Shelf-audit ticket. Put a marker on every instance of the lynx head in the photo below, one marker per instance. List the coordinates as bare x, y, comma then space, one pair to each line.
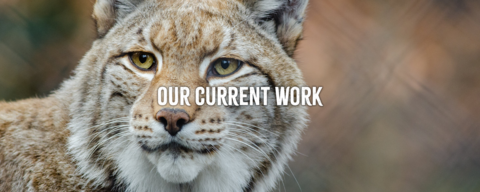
122, 138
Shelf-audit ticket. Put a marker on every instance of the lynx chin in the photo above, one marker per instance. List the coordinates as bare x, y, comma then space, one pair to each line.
104, 130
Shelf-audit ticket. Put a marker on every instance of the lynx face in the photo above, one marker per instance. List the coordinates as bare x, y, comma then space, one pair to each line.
122, 137
180, 141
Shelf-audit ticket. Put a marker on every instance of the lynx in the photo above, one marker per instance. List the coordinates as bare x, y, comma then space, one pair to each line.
103, 129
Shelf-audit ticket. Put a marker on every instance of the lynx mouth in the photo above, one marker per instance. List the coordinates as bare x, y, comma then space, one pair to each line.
178, 148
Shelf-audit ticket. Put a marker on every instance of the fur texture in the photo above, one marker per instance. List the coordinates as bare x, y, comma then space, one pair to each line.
98, 132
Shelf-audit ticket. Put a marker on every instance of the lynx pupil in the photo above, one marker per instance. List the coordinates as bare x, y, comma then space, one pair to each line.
143, 58
225, 64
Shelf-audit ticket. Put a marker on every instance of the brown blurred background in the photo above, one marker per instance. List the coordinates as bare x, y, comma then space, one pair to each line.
401, 85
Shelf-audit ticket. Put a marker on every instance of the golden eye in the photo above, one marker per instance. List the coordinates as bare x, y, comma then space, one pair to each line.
226, 66
142, 60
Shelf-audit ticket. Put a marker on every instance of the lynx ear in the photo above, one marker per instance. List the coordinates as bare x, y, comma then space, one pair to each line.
107, 12
284, 18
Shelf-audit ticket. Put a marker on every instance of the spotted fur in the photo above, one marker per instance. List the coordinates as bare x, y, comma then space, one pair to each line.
99, 132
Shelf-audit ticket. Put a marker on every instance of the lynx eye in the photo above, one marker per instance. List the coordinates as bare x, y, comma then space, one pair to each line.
226, 66
143, 60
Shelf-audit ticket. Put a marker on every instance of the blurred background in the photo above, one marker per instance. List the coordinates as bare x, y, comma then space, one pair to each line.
401, 87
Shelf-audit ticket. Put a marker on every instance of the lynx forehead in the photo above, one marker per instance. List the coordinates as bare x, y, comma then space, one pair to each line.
117, 137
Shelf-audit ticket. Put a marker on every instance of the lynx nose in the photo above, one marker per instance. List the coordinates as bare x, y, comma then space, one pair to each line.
173, 119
